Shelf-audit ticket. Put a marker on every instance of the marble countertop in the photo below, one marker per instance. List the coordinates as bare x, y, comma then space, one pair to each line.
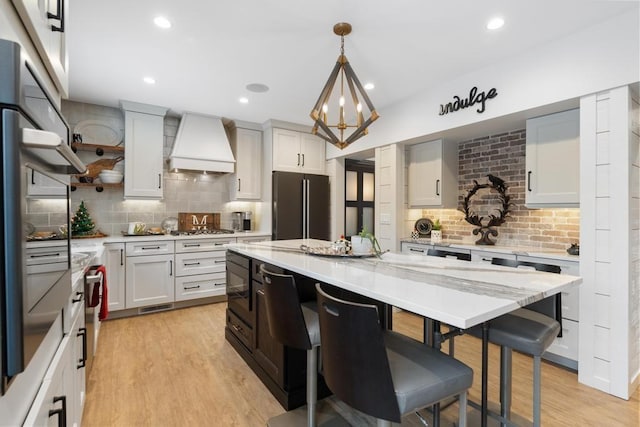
503, 249
455, 292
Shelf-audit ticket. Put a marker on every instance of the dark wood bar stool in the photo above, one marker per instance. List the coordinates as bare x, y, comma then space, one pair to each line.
528, 331
294, 324
382, 373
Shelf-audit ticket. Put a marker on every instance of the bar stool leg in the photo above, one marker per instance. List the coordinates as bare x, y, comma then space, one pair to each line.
505, 382
462, 410
537, 375
312, 392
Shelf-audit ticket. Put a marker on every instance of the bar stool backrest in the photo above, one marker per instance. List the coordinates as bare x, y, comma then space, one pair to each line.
354, 357
284, 314
550, 306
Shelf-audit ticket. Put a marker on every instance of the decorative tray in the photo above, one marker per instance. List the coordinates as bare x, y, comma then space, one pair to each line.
328, 251
90, 236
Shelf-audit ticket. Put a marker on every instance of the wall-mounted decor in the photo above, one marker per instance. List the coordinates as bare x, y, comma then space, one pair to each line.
473, 218
473, 99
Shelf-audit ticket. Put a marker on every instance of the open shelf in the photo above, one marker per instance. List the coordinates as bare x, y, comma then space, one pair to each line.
98, 185
98, 149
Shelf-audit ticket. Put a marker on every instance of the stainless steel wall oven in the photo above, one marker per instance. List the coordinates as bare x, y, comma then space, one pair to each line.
36, 276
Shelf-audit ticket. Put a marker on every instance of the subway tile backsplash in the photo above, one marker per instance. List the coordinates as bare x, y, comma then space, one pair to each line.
183, 192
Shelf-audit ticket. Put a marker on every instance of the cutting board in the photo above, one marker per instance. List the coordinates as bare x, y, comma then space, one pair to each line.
198, 221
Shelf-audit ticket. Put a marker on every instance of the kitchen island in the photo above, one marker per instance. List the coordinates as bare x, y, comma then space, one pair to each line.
454, 292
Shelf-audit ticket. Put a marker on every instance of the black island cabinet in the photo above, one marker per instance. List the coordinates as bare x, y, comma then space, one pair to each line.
281, 368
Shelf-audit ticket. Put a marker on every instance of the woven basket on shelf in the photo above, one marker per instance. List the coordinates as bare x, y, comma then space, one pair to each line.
94, 169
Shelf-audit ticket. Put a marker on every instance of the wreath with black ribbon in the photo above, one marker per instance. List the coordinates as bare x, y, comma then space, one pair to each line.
473, 218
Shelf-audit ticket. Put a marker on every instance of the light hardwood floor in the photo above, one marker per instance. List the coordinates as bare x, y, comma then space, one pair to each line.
175, 369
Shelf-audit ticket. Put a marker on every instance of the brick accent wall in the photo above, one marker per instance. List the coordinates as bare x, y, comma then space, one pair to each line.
503, 155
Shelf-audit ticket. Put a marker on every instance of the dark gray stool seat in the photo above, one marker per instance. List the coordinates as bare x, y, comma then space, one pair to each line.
524, 330
382, 373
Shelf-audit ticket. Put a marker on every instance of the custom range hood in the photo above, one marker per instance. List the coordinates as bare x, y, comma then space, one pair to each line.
201, 145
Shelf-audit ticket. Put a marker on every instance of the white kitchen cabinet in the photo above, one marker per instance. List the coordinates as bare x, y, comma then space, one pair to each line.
45, 20
246, 182
433, 175
298, 152
39, 185
149, 280
114, 254
143, 148
553, 160
77, 370
54, 399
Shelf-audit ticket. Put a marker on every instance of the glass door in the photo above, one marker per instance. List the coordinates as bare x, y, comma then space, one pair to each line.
359, 196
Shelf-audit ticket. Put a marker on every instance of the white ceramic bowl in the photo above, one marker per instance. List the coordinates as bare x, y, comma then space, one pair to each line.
110, 172
110, 178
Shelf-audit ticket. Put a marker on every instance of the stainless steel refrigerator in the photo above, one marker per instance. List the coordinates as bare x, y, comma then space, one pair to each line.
300, 206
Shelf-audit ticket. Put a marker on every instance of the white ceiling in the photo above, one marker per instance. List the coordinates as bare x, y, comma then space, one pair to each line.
215, 48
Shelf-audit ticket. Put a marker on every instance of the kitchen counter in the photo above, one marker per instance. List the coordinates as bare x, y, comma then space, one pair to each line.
153, 237
515, 250
454, 292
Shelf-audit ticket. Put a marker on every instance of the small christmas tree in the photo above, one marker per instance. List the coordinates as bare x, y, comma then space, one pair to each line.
81, 223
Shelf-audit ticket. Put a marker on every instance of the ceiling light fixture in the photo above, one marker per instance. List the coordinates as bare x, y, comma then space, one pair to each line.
149, 80
162, 22
495, 23
369, 86
323, 115
243, 100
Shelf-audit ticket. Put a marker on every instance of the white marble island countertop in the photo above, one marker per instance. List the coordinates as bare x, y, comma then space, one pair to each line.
454, 292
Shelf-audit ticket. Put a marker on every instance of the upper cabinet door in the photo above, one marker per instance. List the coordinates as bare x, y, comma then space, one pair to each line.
143, 147
39, 185
553, 160
433, 174
246, 183
298, 152
45, 20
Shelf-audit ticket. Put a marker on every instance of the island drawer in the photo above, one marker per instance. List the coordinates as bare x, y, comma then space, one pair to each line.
240, 329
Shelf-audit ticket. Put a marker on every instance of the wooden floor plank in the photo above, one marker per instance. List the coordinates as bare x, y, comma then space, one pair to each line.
175, 368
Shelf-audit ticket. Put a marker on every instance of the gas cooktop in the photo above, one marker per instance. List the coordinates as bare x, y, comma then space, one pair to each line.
192, 232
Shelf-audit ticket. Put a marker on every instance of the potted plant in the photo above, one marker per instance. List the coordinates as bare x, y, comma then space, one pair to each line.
365, 243
436, 232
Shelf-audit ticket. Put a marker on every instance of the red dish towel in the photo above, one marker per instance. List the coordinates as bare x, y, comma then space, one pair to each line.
104, 303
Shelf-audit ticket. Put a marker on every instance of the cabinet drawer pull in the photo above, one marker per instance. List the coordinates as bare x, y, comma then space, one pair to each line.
61, 412
260, 291
529, 181
220, 261
220, 244
437, 187
159, 180
121, 256
45, 255
416, 250
298, 159
191, 287
303, 160
59, 16
191, 245
487, 259
239, 186
82, 332
219, 284
170, 268
191, 263
78, 297
146, 248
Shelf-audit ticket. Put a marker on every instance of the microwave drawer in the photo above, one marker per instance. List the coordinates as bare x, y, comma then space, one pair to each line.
200, 263
149, 248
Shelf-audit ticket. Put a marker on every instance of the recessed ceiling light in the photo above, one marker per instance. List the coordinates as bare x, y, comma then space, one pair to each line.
243, 100
162, 22
369, 86
495, 23
257, 87
149, 80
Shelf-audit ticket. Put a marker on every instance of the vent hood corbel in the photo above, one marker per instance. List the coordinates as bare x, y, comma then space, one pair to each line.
202, 145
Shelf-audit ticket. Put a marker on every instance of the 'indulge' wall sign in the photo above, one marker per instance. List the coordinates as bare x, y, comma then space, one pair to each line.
474, 98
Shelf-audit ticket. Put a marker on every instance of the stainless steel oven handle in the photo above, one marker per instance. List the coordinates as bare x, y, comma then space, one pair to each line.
34, 139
